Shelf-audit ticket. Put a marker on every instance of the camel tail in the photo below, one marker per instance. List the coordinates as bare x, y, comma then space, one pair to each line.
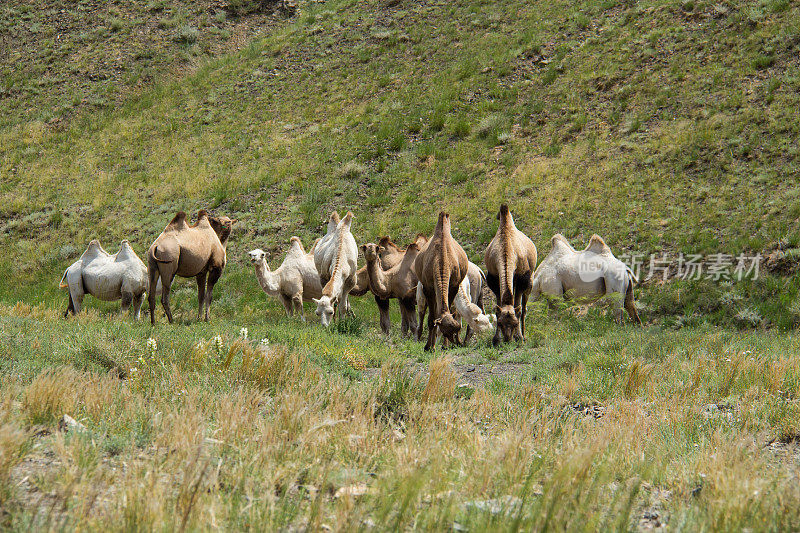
63, 284
632, 275
155, 256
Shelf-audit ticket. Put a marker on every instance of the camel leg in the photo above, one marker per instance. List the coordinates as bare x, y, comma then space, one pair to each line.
287, 304
423, 307
125, 306
524, 313
213, 276
201, 292
383, 309
468, 336
153, 274
165, 289
137, 306
297, 301
407, 307
433, 329
70, 305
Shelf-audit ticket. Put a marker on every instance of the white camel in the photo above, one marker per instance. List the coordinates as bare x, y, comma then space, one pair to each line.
587, 274
335, 257
468, 303
107, 277
294, 282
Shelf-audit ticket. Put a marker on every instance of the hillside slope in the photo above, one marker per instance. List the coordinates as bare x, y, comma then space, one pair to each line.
659, 124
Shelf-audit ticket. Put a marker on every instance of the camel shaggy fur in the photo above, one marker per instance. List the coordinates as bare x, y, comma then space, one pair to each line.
106, 277
335, 258
399, 281
190, 251
294, 282
510, 262
588, 274
441, 267
468, 304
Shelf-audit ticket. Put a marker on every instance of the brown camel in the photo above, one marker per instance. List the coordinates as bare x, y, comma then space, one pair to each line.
441, 267
398, 281
510, 262
196, 251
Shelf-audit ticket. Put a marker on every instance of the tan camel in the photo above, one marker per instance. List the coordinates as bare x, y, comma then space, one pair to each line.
196, 251
589, 274
390, 256
399, 281
510, 261
441, 267
294, 282
335, 257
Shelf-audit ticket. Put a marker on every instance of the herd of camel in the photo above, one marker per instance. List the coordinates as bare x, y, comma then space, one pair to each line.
432, 273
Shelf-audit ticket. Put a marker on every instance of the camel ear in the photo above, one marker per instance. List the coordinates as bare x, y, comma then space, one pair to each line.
437, 322
316, 302
497, 309
363, 247
381, 249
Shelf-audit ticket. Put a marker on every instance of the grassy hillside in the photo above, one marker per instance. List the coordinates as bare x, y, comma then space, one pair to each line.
665, 126
660, 125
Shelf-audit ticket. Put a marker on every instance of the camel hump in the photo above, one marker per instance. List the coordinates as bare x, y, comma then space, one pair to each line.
386, 242
93, 249
295, 242
346, 221
178, 220
314, 246
559, 240
503, 211
597, 245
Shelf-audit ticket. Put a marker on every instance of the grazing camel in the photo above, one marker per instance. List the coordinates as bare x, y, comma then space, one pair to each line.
591, 273
335, 258
468, 304
196, 251
440, 267
294, 282
399, 282
510, 261
106, 277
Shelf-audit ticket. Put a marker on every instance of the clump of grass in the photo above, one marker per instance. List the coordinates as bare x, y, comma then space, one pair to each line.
13, 440
441, 383
50, 395
349, 325
187, 34
352, 170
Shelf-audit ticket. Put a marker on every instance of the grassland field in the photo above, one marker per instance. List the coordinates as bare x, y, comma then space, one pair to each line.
666, 127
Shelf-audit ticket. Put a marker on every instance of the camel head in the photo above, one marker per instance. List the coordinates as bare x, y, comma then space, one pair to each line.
371, 251
449, 327
257, 256
222, 226
324, 310
482, 323
507, 320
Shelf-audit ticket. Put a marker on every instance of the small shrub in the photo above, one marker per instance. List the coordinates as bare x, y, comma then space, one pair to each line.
762, 61
352, 170
187, 34
459, 128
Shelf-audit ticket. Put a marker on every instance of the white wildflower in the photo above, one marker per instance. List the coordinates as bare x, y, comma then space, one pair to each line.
152, 347
264, 342
217, 341
243, 333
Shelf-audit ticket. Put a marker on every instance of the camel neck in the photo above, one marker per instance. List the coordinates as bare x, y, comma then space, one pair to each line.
266, 278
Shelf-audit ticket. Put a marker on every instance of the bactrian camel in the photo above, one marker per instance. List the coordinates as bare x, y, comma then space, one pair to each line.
510, 261
441, 267
106, 277
190, 251
294, 282
399, 282
588, 274
335, 258
468, 303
